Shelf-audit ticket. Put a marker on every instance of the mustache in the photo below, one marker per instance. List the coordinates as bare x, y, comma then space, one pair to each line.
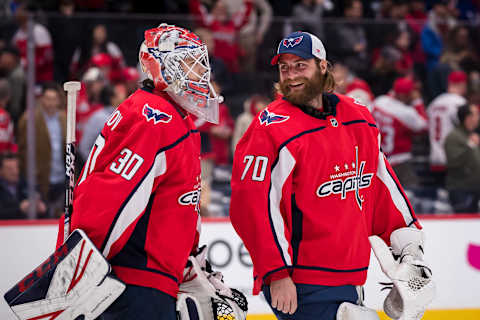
290, 81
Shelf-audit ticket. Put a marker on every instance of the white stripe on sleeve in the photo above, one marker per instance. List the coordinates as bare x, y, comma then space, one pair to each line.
137, 203
280, 173
398, 199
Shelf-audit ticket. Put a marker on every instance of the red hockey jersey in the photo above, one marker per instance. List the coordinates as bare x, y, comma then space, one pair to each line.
308, 191
138, 194
7, 139
398, 123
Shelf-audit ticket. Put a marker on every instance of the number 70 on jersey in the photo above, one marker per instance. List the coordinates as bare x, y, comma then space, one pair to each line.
259, 167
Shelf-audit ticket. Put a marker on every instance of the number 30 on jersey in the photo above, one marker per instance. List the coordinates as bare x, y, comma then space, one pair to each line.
126, 164
259, 168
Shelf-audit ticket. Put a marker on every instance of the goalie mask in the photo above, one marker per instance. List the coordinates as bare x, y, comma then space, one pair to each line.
176, 60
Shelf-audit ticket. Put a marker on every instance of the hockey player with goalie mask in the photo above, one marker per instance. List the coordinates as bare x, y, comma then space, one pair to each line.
322, 186
137, 204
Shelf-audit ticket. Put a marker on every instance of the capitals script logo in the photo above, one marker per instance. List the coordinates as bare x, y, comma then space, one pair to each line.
292, 42
267, 118
157, 115
356, 180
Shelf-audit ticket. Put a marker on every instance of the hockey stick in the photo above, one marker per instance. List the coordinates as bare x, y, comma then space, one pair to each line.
72, 88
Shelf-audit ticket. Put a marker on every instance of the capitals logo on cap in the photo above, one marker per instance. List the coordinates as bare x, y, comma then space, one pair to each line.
292, 42
268, 118
157, 115
302, 44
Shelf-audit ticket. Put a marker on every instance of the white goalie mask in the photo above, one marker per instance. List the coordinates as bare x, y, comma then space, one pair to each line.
176, 60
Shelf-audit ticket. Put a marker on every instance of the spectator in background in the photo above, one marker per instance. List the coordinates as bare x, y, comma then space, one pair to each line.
343, 77
307, 15
11, 69
43, 45
359, 90
89, 98
416, 19
416, 16
462, 147
95, 123
351, 40
7, 139
130, 79
252, 106
392, 61
467, 10
252, 33
98, 43
435, 31
66, 37
442, 118
220, 134
14, 192
219, 69
399, 116
348, 84
459, 53
224, 28
50, 127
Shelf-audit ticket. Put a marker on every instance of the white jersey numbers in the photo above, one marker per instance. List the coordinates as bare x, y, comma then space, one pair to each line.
127, 164
92, 157
114, 120
259, 168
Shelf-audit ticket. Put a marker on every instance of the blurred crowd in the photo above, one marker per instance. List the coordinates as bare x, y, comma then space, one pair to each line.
414, 64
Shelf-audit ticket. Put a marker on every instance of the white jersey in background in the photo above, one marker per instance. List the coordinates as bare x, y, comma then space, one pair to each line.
442, 118
398, 123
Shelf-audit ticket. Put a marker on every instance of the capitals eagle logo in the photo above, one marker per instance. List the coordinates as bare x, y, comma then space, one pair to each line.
268, 118
157, 115
292, 42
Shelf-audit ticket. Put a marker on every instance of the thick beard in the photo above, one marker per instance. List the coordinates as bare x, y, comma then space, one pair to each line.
313, 87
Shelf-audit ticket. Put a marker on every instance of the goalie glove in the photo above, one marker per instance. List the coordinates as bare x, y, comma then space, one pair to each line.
203, 295
413, 287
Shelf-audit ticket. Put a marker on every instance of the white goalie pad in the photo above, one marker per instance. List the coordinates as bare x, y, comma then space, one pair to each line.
204, 296
413, 287
350, 311
72, 282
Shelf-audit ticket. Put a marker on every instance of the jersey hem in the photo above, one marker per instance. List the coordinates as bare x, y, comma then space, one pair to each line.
149, 279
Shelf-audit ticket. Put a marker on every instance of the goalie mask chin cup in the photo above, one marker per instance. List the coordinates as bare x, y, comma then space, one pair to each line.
176, 60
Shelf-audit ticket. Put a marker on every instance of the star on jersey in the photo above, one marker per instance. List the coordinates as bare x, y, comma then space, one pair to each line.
157, 115
337, 168
267, 118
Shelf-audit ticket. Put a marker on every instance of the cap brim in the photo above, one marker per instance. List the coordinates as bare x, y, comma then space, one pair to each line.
302, 55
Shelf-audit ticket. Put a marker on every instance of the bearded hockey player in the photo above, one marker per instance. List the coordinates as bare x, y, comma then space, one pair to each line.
310, 185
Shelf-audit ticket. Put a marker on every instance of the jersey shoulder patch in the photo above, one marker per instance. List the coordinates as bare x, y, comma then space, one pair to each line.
157, 116
267, 117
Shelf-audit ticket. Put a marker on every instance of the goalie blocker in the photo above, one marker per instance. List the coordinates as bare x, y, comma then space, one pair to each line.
74, 281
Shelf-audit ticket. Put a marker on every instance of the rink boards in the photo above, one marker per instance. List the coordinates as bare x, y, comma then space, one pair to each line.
452, 249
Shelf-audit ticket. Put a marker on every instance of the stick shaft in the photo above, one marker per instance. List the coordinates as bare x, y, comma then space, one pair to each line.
71, 87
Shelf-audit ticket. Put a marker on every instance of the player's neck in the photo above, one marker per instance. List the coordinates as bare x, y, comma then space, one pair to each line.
317, 102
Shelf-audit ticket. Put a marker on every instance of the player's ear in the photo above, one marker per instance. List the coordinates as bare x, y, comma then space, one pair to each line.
323, 65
